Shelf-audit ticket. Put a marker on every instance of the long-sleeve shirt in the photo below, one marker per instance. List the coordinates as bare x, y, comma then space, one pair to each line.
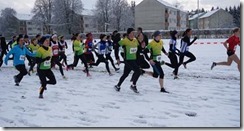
42, 54
78, 47
19, 55
185, 43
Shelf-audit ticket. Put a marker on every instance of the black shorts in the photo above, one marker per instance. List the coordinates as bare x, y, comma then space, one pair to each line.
230, 53
158, 71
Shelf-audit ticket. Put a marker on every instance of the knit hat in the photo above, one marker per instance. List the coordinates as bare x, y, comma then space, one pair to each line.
43, 39
156, 33
129, 30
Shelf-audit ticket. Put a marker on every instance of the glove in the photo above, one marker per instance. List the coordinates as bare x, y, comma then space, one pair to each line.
195, 38
48, 58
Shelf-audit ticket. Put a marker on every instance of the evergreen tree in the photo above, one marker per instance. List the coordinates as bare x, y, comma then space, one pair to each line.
212, 9
226, 9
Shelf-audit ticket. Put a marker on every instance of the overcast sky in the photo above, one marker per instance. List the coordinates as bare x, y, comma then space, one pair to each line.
25, 6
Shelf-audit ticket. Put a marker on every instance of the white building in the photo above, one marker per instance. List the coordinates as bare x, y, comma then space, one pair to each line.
26, 26
159, 15
89, 22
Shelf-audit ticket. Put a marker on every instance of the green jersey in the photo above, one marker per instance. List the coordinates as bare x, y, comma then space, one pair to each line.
130, 47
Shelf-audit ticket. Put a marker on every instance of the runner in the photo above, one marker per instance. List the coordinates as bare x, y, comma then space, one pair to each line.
184, 49
109, 50
102, 47
3, 49
19, 52
43, 59
55, 57
130, 45
62, 46
78, 48
116, 38
173, 53
89, 47
33, 48
155, 47
231, 45
145, 38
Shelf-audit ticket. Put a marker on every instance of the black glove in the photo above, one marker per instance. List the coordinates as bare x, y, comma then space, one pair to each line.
195, 38
48, 58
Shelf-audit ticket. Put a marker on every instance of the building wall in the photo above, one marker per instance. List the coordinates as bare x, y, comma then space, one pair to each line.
150, 15
153, 15
32, 29
221, 19
183, 20
172, 19
89, 24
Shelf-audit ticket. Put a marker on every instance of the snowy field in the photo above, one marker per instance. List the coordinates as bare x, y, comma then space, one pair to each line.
213, 96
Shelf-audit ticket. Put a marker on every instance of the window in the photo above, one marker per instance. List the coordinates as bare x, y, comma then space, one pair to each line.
166, 20
166, 10
21, 29
29, 28
39, 29
86, 25
29, 23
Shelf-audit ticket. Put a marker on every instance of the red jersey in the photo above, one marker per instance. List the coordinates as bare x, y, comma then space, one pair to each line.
55, 48
233, 42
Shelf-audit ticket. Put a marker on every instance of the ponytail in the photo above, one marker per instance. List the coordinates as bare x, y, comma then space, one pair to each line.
187, 30
236, 30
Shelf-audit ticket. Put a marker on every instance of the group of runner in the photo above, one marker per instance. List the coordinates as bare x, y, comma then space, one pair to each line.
48, 51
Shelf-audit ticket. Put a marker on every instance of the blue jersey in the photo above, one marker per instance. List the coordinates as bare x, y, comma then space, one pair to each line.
102, 46
19, 55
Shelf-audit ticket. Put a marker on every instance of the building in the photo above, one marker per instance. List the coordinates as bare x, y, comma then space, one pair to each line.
89, 22
159, 15
26, 26
218, 18
193, 20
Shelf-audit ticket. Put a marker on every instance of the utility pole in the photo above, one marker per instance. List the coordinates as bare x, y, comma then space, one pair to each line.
198, 18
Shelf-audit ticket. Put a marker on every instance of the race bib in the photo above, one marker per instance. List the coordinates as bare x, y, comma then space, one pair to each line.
133, 50
47, 63
103, 51
22, 57
235, 48
159, 58
55, 52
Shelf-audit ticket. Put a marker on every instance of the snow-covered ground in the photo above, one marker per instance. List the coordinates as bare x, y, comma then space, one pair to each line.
213, 96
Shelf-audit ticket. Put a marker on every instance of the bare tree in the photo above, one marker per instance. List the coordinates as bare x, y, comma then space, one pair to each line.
67, 15
117, 13
9, 23
43, 13
103, 14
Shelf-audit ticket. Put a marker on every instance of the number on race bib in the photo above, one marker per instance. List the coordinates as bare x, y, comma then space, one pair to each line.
47, 63
133, 50
55, 52
22, 58
159, 58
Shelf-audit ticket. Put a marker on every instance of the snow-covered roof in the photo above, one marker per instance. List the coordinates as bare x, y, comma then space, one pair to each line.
209, 13
196, 15
169, 5
87, 12
24, 16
